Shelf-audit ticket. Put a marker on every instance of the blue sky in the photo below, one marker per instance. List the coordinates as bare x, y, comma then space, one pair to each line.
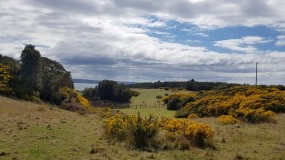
145, 40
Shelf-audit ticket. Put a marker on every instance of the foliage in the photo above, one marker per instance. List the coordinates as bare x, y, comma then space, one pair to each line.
253, 104
191, 85
34, 77
255, 115
227, 119
172, 104
54, 77
90, 93
143, 131
69, 95
30, 72
5, 79
137, 130
197, 133
111, 90
178, 100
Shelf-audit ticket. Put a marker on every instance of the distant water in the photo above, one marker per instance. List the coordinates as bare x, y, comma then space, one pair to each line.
82, 86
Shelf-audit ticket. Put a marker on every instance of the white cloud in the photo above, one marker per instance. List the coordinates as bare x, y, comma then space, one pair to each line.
201, 34
194, 31
109, 39
244, 44
162, 33
280, 40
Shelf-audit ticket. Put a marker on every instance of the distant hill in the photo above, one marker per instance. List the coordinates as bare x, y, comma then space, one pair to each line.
97, 81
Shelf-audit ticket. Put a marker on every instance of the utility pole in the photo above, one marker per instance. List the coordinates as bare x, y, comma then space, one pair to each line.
256, 74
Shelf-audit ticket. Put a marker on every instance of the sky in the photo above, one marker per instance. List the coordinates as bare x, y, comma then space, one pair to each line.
147, 40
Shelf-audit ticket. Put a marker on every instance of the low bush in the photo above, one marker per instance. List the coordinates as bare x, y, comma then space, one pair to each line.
255, 115
135, 93
178, 100
143, 131
134, 129
70, 96
226, 119
172, 104
196, 133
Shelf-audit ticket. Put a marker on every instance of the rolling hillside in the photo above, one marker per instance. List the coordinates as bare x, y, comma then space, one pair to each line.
31, 131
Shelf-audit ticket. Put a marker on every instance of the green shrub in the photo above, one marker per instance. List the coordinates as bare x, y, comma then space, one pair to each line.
135, 93
172, 103
143, 131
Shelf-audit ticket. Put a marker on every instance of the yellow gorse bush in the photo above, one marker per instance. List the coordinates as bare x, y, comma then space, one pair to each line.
72, 96
196, 133
118, 125
255, 115
137, 130
140, 131
253, 104
227, 119
5, 78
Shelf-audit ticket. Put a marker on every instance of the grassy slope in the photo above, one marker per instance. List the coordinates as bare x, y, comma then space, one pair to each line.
30, 131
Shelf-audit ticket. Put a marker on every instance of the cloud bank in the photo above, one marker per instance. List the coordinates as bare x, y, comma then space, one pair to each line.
112, 39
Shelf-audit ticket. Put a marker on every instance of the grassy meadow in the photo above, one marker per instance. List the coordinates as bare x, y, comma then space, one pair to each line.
147, 103
30, 131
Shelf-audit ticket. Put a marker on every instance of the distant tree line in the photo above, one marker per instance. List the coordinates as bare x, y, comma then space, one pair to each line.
191, 85
33, 77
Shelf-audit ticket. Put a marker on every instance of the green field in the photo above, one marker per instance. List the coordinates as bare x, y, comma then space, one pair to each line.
31, 131
147, 103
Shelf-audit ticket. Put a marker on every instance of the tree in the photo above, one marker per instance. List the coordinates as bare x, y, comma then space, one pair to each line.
90, 93
121, 93
106, 89
54, 77
111, 90
30, 72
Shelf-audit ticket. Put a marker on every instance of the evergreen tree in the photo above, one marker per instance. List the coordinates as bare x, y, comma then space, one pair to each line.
30, 72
